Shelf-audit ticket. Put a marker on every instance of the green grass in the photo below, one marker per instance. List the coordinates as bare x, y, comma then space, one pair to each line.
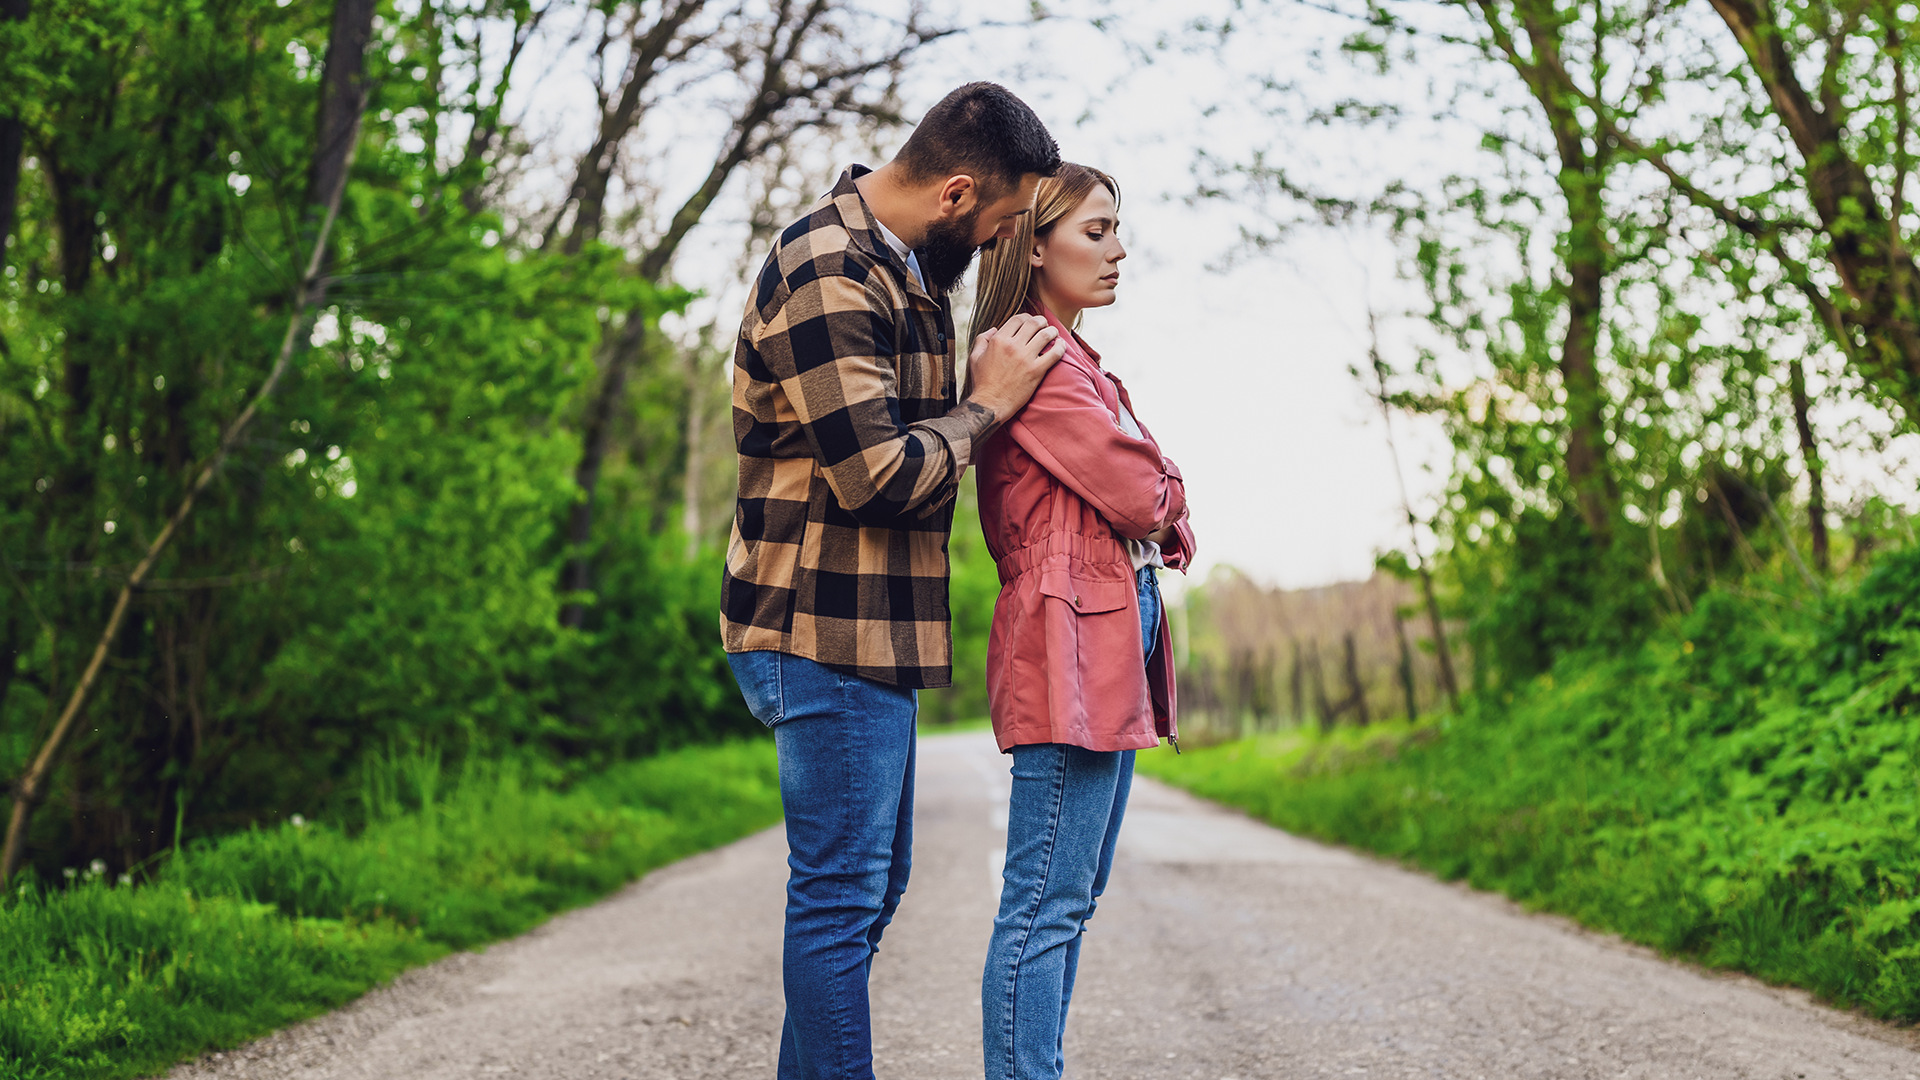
1742, 791
1741, 787
979, 723
264, 928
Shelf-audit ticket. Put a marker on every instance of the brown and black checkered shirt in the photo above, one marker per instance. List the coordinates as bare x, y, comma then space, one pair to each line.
844, 381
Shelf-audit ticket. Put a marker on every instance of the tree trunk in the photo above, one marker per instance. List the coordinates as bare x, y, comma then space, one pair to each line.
693, 481
13, 133
622, 356
577, 576
1406, 666
1295, 690
1440, 649
1810, 454
1582, 182
343, 98
1593, 485
1314, 673
1356, 693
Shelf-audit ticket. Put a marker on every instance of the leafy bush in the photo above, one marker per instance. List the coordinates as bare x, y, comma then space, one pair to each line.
1741, 788
272, 925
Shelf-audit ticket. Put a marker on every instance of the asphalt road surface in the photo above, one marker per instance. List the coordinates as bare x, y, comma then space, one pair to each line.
1224, 950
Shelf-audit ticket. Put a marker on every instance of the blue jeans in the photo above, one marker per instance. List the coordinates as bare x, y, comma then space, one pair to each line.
1062, 824
846, 781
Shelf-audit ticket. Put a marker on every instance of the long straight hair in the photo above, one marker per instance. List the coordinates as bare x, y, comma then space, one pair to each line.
1006, 272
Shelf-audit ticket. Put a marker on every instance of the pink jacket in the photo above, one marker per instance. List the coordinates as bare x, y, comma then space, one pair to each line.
1059, 486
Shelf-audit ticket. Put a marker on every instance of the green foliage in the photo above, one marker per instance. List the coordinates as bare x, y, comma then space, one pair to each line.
1552, 590
971, 593
272, 925
379, 558
1742, 788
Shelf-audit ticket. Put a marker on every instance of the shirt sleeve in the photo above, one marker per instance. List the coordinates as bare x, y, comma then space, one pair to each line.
830, 347
1068, 430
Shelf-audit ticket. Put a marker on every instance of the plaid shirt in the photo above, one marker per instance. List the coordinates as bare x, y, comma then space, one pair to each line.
850, 454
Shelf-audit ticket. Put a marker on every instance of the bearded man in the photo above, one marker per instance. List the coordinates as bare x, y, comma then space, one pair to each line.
852, 438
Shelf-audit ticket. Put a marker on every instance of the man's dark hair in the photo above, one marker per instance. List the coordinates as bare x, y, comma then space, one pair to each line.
983, 130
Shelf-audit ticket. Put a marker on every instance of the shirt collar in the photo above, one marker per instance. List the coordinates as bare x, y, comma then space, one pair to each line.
871, 226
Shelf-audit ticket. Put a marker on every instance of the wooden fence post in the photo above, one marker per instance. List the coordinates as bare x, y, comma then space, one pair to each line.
1406, 665
1357, 694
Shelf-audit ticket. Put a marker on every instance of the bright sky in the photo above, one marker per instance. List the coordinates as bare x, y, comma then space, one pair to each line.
1241, 372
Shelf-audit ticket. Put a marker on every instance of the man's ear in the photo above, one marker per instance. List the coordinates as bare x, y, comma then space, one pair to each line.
958, 195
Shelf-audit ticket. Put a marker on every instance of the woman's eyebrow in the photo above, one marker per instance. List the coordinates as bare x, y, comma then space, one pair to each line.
1111, 223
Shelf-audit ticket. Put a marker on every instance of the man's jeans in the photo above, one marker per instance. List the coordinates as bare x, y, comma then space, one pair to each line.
846, 780
1062, 823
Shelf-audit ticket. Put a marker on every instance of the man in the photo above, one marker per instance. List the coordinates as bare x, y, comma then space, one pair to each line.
852, 439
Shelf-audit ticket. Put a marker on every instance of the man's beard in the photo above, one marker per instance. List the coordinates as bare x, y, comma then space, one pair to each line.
947, 251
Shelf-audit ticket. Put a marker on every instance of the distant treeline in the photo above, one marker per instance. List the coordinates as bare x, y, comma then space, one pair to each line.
1254, 658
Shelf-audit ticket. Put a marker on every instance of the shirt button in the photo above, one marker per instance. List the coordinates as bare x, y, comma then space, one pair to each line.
940, 341
1076, 601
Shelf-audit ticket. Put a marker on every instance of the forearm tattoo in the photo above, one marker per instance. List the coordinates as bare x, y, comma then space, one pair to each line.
980, 420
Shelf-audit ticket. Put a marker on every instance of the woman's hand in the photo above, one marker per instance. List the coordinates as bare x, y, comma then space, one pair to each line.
1162, 536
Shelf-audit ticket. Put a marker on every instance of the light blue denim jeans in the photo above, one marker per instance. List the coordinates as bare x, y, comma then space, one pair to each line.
846, 781
1062, 823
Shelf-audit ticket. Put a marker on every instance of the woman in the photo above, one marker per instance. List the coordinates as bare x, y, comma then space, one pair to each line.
1079, 507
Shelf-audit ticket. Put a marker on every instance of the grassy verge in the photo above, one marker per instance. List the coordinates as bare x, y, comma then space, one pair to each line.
955, 727
1743, 790
275, 925
1511, 803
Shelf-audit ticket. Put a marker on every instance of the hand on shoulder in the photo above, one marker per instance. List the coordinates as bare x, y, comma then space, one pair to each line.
1008, 362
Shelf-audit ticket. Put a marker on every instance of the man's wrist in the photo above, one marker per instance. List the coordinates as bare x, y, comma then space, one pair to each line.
965, 427
981, 417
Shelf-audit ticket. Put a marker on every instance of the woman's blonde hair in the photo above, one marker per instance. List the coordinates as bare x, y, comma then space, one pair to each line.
1006, 274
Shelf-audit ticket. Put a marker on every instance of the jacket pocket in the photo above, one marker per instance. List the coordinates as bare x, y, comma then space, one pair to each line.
1086, 592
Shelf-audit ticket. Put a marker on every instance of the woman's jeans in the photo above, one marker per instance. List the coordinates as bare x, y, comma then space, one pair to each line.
846, 781
1062, 823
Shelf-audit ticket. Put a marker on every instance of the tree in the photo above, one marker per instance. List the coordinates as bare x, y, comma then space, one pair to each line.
1586, 351
1531, 36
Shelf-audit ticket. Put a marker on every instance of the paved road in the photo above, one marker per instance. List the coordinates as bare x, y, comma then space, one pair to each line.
1225, 951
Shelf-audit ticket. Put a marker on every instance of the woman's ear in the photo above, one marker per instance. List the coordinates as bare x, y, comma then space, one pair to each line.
1038, 260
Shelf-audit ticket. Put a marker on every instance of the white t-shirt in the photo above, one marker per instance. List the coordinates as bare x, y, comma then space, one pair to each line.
1144, 553
901, 249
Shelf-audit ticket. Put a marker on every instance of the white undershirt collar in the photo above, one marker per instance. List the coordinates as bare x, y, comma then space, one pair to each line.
901, 249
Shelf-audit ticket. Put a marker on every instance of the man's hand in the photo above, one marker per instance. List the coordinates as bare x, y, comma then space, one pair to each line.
1008, 362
